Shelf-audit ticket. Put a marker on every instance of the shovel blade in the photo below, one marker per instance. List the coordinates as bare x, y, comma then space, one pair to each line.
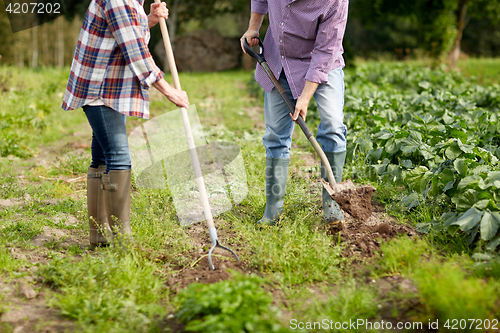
357, 201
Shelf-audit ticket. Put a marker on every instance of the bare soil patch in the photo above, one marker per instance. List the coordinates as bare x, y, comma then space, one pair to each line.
198, 270
27, 309
362, 238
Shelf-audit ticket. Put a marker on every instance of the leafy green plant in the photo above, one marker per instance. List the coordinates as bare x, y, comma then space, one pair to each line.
436, 134
237, 305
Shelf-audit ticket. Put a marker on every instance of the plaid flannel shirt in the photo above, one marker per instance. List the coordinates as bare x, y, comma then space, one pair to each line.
112, 61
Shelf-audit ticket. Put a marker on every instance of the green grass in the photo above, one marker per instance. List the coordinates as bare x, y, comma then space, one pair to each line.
112, 292
403, 255
36, 95
449, 293
486, 70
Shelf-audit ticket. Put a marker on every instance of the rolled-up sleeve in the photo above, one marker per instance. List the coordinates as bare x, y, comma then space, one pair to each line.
259, 6
124, 24
328, 42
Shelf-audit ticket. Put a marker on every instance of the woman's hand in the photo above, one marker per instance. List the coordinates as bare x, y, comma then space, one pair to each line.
176, 96
157, 11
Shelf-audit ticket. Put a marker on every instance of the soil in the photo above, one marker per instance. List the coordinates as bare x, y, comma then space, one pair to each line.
198, 270
357, 201
361, 239
366, 222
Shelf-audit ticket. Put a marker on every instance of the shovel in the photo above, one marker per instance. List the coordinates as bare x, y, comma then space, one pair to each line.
355, 201
192, 149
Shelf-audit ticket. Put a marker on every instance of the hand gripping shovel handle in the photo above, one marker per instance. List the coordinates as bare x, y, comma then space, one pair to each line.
291, 107
192, 147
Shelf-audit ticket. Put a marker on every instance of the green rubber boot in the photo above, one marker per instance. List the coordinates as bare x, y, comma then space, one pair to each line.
331, 210
276, 174
117, 185
98, 208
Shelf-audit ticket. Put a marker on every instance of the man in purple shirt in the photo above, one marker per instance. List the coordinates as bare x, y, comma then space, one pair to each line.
303, 48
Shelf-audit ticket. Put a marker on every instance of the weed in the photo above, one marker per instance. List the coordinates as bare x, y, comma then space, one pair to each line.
75, 249
343, 302
74, 163
19, 231
7, 262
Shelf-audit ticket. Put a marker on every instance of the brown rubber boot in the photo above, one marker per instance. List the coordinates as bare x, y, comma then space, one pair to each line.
117, 184
98, 208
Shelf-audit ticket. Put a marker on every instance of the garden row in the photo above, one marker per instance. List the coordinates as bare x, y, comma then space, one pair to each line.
436, 134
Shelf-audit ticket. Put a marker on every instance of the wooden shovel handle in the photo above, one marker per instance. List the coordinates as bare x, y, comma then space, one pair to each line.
189, 134
170, 52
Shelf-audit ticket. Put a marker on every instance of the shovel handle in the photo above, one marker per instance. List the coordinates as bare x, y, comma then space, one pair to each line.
291, 107
257, 56
169, 51
189, 134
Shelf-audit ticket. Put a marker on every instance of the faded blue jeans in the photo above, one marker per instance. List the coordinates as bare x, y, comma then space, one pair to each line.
331, 133
109, 138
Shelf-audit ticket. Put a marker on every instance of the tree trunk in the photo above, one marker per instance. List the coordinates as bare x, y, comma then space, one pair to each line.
172, 20
462, 12
34, 47
60, 42
45, 45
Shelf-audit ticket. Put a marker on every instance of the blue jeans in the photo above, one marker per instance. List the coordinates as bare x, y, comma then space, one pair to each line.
331, 133
109, 138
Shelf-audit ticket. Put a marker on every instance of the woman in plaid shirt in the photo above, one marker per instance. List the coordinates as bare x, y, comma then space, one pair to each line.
110, 77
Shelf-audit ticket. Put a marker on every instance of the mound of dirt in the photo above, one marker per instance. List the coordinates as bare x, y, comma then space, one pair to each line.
354, 199
362, 237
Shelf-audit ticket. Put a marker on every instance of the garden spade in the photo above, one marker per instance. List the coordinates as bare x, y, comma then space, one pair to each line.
192, 149
354, 200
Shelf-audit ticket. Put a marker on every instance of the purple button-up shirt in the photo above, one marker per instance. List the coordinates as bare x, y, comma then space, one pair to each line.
304, 39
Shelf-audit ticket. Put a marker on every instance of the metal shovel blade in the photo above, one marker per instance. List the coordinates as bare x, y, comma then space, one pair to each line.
357, 201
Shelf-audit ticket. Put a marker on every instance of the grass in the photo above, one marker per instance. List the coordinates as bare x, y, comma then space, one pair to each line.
114, 291
486, 71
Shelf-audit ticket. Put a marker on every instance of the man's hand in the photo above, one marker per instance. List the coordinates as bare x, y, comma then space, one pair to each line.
252, 33
301, 108
157, 11
303, 100
251, 37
